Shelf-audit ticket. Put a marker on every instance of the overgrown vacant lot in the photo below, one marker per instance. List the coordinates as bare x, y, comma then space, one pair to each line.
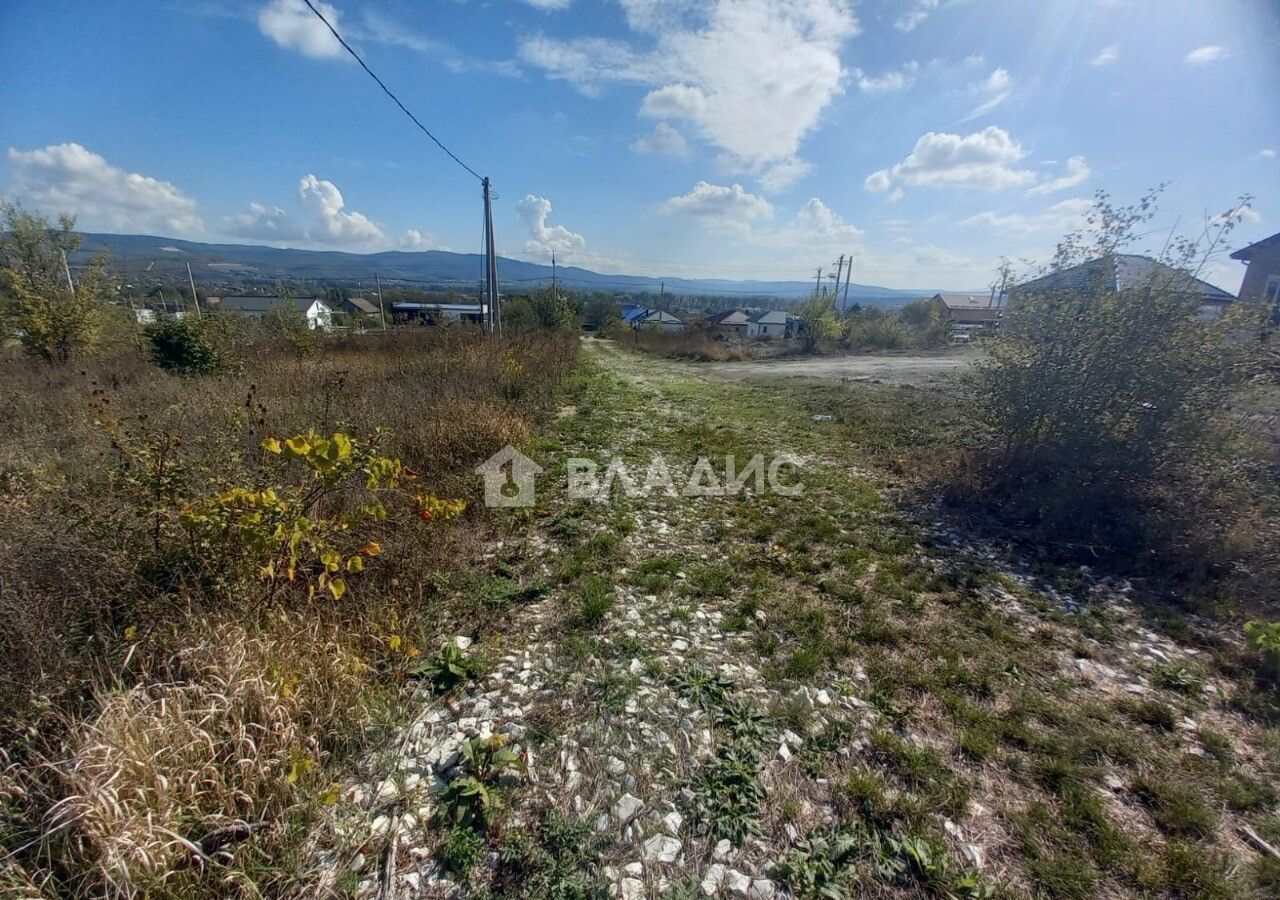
832, 695
841, 694
214, 587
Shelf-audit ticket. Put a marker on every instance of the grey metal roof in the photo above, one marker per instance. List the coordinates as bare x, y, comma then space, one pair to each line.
770, 317
259, 305
1123, 271
729, 317
1246, 253
968, 301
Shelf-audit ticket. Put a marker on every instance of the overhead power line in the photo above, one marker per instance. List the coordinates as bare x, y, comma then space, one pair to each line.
388, 92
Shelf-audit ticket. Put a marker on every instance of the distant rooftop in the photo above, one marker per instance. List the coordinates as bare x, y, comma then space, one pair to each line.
1123, 271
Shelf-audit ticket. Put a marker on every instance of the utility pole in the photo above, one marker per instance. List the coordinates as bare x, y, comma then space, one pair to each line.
491, 263
382, 310
192, 281
554, 290
839, 272
71, 285
817, 290
662, 294
847, 275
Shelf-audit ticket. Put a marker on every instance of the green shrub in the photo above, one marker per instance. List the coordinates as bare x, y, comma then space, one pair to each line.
183, 346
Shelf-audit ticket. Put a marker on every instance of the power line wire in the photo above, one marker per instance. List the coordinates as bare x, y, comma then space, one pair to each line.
388, 92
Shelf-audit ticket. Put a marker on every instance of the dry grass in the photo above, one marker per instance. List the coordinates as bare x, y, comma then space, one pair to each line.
691, 344
169, 734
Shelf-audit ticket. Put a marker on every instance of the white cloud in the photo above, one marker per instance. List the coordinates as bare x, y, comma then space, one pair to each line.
1106, 56
550, 4
996, 87
291, 25
820, 220
69, 178
1267, 153
333, 224
751, 76
1206, 54
265, 223
544, 238
894, 80
915, 14
781, 175
721, 207
1077, 172
1060, 218
985, 160
413, 239
662, 141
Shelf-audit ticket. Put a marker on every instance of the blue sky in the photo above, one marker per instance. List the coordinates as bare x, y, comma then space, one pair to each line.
729, 138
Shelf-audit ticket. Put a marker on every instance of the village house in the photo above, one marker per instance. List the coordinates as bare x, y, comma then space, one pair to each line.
970, 312
1122, 272
1262, 277
428, 313
772, 323
731, 321
647, 317
313, 309
359, 307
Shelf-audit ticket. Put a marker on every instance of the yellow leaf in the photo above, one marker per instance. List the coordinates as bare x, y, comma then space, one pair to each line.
393, 642
272, 445
355, 564
131, 632
373, 548
337, 587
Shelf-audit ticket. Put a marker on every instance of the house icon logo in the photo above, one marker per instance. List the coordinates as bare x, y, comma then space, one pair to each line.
508, 478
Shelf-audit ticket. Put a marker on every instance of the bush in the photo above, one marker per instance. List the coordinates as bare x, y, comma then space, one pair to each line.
1104, 404
876, 329
183, 346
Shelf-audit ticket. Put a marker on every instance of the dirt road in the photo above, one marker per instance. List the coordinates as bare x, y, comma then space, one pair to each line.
915, 369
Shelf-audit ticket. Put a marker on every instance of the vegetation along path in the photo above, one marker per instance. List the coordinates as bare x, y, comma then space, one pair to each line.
760, 695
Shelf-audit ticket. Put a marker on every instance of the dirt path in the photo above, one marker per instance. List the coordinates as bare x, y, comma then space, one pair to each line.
755, 695
916, 369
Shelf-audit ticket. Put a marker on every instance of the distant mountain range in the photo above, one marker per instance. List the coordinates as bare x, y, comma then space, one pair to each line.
149, 259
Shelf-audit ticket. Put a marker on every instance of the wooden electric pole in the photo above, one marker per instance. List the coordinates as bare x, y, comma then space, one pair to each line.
66, 267
817, 290
848, 273
839, 272
192, 281
554, 291
382, 310
491, 263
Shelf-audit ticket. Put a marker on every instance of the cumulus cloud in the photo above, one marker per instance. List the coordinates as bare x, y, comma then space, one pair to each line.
265, 223
822, 221
72, 179
1268, 153
1060, 218
333, 224
413, 239
291, 25
550, 4
544, 238
1106, 56
915, 14
662, 141
721, 206
1077, 172
708, 63
1206, 54
985, 160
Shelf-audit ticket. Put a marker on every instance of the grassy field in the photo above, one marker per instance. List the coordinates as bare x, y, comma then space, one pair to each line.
201, 633
850, 693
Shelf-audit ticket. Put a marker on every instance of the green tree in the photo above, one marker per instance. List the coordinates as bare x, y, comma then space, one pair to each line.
545, 308
818, 322
54, 322
287, 326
